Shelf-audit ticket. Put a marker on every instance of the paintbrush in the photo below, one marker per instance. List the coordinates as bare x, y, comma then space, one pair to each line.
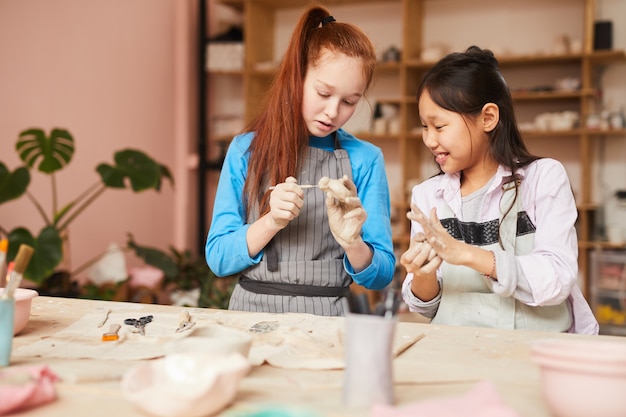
112, 334
4, 247
22, 259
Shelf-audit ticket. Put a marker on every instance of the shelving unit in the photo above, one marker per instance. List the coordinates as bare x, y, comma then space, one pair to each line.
608, 290
260, 25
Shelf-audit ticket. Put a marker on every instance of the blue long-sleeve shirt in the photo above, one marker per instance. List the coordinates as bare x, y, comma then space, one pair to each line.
226, 248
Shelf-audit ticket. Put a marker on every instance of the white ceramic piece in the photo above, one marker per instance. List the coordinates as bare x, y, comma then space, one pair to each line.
185, 384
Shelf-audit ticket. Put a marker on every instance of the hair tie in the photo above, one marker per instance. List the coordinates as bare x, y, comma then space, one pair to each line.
327, 20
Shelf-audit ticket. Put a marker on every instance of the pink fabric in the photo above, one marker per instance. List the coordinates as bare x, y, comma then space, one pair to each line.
481, 401
26, 387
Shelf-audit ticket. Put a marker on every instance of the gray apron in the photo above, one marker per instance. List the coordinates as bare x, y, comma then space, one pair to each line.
467, 296
302, 267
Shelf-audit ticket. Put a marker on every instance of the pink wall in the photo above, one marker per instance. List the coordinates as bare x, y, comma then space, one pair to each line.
111, 73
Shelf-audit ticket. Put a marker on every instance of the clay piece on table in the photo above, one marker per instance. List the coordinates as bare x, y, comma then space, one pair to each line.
185, 384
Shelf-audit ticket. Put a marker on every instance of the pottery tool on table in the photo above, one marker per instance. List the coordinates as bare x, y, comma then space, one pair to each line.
112, 334
106, 317
184, 322
304, 186
22, 259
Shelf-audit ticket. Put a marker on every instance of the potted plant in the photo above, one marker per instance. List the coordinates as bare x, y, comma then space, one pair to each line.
48, 154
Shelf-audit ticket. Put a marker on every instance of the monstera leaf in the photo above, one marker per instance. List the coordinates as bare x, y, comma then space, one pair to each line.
47, 255
48, 154
13, 184
51, 152
141, 170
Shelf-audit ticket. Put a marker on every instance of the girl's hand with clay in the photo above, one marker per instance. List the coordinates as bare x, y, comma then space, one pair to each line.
420, 259
345, 211
286, 200
445, 246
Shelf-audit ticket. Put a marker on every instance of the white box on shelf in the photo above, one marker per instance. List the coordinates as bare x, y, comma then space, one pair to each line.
225, 56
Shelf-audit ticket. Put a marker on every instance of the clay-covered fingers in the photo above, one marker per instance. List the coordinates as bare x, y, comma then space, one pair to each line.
427, 224
420, 258
289, 186
345, 222
286, 201
348, 228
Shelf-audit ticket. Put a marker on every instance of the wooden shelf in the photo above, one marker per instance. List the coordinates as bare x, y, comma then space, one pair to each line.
611, 132
606, 57
552, 95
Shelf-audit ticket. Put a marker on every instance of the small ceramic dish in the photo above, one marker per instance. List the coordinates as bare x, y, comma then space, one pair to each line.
185, 384
23, 302
581, 378
213, 339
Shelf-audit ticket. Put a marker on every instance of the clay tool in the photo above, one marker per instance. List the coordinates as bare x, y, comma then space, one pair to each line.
184, 322
4, 247
22, 259
111, 335
304, 187
106, 317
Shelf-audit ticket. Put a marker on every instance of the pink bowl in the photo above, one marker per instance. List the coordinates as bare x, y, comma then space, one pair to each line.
582, 378
23, 301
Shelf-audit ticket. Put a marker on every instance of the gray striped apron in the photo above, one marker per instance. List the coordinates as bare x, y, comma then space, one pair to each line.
302, 267
467, 296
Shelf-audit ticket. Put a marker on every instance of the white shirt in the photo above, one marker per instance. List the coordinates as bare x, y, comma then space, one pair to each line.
548, 275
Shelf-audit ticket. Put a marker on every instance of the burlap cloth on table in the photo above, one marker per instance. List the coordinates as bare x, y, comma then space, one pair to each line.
295, 341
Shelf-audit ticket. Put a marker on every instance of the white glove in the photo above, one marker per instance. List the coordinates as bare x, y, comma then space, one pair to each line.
345, 211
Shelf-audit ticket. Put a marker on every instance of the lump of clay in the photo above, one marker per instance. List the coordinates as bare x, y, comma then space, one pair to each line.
185, 384
336, 188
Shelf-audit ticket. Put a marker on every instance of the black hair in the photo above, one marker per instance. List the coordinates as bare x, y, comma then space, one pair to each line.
463, 82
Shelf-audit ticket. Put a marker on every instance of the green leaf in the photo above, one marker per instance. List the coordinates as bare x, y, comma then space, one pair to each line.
165, 172
156, 258
110, 176
13, 184
47, 255
141, 170
52, 152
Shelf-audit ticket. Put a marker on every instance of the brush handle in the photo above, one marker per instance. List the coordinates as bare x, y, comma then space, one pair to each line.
15, 280
24, 254
22, 259
4, 247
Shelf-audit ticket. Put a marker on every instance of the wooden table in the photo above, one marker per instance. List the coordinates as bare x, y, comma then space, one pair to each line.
448, 361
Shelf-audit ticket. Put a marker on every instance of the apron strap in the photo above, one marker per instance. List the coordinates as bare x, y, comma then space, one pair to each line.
510, 201
280, 288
